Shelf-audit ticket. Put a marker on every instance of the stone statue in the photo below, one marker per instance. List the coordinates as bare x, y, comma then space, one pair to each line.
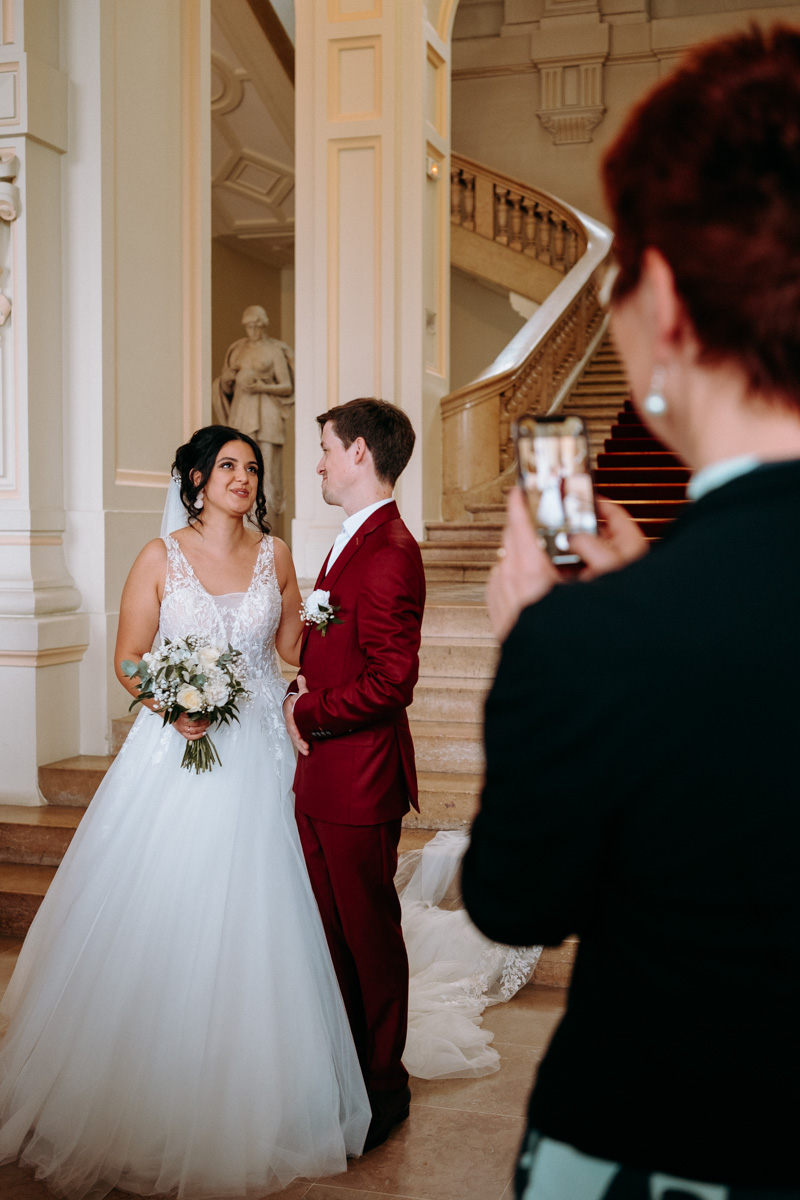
253, 394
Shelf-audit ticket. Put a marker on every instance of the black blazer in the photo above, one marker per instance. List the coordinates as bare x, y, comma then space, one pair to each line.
643, 792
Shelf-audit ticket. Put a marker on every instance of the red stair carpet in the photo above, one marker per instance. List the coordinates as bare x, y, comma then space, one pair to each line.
642, 474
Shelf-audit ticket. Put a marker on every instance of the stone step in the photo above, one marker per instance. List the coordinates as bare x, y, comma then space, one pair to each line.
452, 656
36, 836
486, 512
457, 698
456, 612
447, 800
600, 388
457, 549
22, 889
450, 746
457, 572
73, 781
462, 531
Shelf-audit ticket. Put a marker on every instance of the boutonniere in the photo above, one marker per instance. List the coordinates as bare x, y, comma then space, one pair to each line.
319, 612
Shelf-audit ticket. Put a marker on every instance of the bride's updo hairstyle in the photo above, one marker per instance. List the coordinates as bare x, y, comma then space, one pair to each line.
707, 171
200, 453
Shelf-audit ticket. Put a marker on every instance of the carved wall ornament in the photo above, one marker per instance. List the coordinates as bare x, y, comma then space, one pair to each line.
572, 98
571, 125
10, 201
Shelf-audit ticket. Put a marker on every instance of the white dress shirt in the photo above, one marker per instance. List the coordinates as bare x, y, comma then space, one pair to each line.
716, 474
351, 525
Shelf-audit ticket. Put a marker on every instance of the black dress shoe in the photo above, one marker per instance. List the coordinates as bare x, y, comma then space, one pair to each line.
388, 1110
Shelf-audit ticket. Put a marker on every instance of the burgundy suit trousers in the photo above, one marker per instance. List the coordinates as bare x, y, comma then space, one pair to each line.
352, 871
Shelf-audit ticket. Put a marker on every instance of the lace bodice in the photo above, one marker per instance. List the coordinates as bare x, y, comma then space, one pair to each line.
248, 620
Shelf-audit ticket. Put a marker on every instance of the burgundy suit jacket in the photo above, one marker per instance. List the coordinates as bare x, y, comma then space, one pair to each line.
361, 677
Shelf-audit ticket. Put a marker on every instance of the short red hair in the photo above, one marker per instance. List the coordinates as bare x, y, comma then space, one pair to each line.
707, 171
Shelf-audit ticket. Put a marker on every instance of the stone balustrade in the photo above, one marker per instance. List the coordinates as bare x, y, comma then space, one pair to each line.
513, 214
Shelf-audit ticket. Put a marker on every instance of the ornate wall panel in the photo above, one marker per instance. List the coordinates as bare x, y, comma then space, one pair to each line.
354, 277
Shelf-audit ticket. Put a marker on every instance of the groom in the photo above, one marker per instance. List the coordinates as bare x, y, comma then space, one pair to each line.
346, 715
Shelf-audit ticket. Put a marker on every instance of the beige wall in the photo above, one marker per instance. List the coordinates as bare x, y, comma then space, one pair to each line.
236, 282
482, 322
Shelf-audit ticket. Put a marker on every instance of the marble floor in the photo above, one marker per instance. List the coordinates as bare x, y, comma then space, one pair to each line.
460, 1140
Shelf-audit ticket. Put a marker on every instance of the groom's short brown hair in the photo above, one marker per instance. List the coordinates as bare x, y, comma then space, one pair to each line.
386, 429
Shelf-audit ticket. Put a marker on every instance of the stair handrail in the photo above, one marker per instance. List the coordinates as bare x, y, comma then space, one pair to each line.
533, 373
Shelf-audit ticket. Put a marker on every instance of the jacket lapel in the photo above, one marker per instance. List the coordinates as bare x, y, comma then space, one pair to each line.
387, 513
328, 581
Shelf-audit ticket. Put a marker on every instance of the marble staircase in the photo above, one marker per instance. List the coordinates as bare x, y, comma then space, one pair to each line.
464, 551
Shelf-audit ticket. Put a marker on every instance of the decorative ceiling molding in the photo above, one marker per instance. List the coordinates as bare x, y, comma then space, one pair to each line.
252, 112
227, 86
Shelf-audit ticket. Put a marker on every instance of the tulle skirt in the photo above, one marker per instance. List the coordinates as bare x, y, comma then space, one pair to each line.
455, 972
175, 1021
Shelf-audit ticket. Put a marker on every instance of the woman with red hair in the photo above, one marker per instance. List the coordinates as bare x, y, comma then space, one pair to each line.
653, 781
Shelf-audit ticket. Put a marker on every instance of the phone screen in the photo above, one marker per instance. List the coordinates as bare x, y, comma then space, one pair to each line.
554, 472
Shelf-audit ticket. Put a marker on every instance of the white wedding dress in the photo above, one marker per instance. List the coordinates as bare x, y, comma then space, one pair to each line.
455, 972
175, 1021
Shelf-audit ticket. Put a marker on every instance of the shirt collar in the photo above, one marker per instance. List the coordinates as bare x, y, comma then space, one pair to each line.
356, 520
716, 474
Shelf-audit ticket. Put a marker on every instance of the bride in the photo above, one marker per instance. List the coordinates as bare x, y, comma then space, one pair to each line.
175, 1021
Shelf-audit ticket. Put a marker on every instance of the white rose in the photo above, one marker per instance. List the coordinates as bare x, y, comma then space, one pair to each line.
316, 602
206, 657
189, 698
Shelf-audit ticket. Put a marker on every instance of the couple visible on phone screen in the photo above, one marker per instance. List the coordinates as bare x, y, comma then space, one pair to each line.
176, 1021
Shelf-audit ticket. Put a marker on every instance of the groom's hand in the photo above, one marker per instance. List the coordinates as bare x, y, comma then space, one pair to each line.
300, 745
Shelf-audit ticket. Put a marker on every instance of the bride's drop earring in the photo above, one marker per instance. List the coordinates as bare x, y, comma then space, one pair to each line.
655, 402
199, 500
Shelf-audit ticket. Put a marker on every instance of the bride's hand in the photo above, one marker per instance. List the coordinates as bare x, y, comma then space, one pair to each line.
192, 728
619, 542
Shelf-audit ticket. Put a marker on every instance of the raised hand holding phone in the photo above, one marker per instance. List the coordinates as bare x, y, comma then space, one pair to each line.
620, 541
554, 472
524, 572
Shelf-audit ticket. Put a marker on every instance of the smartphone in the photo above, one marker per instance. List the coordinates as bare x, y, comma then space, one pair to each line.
554, 472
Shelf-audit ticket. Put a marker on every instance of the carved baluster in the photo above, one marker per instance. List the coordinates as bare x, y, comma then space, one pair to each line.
516, 221
469, 201
545, 255
530, 228
558, 248
501, 215
456, 191
572, 249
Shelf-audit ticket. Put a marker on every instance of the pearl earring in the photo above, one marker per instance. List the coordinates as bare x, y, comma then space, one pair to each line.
655, 402
198, 500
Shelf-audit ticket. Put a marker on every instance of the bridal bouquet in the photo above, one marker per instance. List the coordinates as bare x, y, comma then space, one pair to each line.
192, 675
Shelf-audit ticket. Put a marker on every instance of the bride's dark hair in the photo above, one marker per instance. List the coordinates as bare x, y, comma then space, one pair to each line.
200, 453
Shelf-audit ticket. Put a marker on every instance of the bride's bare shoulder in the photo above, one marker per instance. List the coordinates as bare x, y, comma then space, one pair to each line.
284, 565
151, 560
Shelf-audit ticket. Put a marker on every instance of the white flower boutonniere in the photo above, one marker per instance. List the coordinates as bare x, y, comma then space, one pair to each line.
318, 611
